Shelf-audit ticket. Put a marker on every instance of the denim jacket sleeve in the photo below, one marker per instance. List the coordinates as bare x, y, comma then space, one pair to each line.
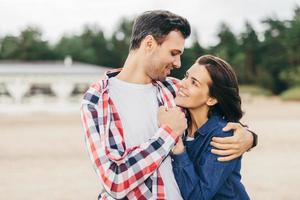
203, 179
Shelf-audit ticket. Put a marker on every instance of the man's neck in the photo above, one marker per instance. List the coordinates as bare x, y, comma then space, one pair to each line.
133, 70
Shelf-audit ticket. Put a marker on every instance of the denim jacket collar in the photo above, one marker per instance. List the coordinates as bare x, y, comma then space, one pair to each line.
209, 125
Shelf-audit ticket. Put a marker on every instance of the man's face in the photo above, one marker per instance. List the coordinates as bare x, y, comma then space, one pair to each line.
166, 57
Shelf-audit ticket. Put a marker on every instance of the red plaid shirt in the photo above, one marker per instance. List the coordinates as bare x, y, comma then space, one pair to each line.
128, 173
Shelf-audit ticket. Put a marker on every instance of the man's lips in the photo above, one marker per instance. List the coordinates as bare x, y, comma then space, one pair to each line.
169, 71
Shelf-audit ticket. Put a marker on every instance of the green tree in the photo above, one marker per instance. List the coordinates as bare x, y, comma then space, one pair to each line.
230, 50
9, 48
274, 55
291, 74
32, 46
251, 50
29, 45
69, 45
89, 47
292, 39
228, 46
119, 42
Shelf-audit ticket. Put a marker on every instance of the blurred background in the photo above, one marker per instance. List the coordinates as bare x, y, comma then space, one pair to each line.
51, 51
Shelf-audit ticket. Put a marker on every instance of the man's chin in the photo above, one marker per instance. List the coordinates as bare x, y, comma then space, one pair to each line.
161, 78
178, 102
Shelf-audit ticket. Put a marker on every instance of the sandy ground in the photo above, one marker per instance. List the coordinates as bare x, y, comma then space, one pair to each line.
42, 156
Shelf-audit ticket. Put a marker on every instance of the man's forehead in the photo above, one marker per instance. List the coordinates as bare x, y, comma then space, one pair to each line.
174, 41
175, 35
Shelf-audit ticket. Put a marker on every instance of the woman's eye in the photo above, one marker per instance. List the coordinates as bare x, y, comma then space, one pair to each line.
194, 83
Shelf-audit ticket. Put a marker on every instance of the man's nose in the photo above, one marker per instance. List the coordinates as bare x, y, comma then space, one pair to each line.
177, 62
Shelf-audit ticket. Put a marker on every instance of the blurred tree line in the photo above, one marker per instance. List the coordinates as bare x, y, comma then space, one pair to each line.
270, 59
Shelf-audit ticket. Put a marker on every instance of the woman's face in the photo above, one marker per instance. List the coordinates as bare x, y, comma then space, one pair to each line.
194, 89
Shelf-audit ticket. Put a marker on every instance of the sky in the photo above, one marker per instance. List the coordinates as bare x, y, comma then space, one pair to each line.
59, 17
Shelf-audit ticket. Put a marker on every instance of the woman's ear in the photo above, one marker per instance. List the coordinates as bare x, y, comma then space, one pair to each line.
211, 101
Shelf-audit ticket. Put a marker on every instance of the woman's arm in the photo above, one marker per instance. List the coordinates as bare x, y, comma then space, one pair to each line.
201, 182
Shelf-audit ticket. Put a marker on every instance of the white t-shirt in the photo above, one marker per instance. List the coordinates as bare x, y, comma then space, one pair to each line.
137, 106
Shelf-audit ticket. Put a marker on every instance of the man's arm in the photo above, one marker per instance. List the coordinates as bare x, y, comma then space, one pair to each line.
121, 170
232, 147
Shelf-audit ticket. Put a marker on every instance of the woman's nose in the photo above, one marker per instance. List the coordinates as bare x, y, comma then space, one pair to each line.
183, 83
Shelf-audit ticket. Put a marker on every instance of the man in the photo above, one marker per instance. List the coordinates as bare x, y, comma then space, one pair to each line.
127, 146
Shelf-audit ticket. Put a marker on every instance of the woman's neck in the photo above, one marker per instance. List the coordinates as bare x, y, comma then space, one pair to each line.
198, 117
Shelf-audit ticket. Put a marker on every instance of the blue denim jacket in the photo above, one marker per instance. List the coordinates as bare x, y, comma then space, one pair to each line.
198, 173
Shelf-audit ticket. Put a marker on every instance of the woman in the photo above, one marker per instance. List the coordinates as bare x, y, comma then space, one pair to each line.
210, 93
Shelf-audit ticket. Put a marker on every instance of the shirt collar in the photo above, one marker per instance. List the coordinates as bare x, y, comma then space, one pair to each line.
114, 72
111, 73
209, 125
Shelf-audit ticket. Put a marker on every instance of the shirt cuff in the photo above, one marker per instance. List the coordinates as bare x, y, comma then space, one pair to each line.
167, 138
181, 160
171, 132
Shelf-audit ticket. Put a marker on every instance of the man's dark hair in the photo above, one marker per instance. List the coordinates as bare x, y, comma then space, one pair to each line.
158, 23
224, 88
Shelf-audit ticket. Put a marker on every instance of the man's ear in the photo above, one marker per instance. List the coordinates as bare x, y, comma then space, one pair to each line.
149, 42
211, 101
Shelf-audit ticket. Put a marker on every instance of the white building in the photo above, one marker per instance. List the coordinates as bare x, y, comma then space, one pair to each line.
38, 85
